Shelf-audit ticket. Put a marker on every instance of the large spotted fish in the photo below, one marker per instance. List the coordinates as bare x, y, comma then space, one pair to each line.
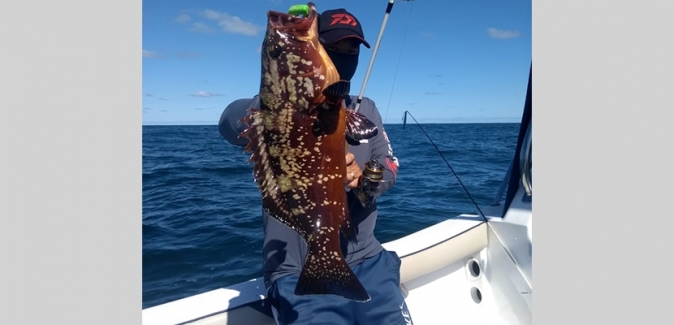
298, 143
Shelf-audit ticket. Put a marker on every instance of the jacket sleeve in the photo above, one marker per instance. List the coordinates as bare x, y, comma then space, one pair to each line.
381, 149
230, 126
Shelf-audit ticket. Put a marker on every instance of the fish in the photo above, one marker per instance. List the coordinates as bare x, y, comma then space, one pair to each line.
298, 140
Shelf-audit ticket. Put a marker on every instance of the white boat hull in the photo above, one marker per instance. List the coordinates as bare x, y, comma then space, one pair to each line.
435, 273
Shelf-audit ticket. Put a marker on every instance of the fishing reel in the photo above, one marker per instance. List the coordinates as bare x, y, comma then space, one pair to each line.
369, 183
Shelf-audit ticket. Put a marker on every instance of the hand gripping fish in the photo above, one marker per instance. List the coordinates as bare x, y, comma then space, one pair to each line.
298, 143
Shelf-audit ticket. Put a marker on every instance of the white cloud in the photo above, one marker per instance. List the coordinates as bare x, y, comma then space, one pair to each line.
200, 27
183, 18
202, 93
232, 24
153, 54
503, 34
149, 54
211, 14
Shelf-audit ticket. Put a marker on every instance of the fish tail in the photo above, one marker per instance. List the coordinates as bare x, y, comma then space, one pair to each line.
326, 272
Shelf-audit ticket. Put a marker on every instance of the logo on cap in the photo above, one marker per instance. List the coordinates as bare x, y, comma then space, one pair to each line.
343, 19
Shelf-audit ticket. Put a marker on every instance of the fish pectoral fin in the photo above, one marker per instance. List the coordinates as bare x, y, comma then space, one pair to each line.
359, 127
326, 272
351, 141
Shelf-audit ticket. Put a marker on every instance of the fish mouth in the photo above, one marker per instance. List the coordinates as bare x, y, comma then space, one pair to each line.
284, 21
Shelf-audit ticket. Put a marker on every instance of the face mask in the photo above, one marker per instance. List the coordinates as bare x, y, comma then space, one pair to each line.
346, 64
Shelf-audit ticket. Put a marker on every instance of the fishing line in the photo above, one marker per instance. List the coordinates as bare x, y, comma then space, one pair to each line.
446, 162
395, 75
484, 217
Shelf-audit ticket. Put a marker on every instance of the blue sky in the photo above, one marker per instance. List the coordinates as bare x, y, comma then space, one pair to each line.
456, 61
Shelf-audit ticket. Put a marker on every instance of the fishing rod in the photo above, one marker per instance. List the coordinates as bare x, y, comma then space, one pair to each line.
389, 7
373, 173
443, 158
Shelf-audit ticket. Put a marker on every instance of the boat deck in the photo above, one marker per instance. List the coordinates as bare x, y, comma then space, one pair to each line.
443, 267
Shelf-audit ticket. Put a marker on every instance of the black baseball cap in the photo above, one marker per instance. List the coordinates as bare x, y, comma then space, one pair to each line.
337, 24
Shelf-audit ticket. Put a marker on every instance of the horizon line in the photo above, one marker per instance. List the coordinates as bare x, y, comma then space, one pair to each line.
386, 123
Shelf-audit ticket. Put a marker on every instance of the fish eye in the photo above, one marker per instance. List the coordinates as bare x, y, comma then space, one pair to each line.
275, 50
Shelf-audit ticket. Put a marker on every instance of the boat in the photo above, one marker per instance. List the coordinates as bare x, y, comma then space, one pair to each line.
468, 269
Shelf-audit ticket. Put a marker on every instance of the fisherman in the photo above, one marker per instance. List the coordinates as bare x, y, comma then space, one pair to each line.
284, 251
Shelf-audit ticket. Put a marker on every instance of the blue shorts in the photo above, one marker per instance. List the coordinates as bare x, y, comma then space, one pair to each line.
380, 275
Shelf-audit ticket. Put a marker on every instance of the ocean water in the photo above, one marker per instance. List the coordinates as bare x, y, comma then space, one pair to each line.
202, 225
